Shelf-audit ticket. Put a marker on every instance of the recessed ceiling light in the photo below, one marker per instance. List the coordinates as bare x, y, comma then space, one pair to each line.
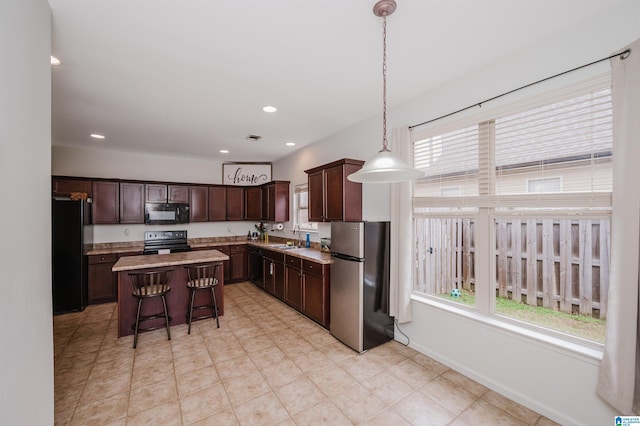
55, 61
269, 108
290, 144
97, 136
224, 151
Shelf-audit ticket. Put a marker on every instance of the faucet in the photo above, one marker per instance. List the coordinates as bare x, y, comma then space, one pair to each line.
296, 229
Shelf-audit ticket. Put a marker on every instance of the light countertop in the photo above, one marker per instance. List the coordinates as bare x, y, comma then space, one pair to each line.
130, 263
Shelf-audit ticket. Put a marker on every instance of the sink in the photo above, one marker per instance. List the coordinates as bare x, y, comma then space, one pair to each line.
282, 246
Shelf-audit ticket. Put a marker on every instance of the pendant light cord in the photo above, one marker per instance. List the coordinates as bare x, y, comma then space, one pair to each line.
384, 82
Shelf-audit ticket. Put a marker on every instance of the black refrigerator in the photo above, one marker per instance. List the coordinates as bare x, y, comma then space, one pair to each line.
71, 232
359, 293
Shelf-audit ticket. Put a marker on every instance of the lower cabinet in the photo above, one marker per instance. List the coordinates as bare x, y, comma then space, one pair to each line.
237, 263
315, 291
102, 282
273, 273
306, 288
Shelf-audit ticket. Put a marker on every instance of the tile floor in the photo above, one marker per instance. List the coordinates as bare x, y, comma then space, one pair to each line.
266, 365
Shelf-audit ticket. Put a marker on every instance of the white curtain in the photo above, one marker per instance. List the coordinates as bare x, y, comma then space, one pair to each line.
401, 268
618, 381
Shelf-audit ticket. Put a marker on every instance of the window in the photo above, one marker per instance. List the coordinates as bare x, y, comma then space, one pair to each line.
534, 186
301, 207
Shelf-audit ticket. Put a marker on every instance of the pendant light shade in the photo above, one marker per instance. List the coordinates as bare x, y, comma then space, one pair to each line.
385, 167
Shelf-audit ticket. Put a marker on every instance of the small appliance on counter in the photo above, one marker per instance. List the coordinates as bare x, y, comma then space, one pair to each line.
161, 242
359, 295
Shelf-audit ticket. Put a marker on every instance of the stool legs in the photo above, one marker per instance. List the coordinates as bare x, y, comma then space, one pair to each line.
166, 316
135, 332
192, 294
214, 306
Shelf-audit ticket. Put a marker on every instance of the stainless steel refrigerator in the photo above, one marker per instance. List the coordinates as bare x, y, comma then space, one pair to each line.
71, 231
359, 294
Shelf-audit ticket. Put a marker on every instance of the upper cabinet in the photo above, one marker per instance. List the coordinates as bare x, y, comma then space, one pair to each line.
106, 201
226, 203
275, 201
331, 196
132, 202
163, 193
198, 203
253, 203
63, 186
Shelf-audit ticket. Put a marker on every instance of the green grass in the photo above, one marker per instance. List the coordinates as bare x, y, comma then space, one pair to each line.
576, 325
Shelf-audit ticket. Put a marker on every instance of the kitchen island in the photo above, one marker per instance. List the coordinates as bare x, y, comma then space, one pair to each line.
177, 299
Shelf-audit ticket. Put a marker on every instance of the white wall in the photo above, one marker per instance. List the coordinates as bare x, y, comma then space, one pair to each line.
26, 344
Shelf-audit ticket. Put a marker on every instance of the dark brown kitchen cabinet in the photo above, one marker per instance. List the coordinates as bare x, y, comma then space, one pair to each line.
226, 203
155, 193
315, 290
106, 201
235, 203
198, 203
102, 284
217, 203
238, 262
253, 203
331, 196
275, 201
274, 273
178, 193
63, 186
293, 282
132, 202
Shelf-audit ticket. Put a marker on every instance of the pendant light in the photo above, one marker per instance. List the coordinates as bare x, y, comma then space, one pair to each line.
385, 167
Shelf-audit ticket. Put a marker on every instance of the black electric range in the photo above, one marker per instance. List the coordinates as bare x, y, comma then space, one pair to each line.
174, 241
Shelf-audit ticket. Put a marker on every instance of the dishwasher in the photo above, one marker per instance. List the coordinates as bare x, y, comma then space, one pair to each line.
255, 265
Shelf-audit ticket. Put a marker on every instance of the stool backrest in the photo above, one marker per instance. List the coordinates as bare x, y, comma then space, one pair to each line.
205, 274
149, 283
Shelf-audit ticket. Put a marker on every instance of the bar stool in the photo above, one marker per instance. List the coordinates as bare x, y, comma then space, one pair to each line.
202, 277
147, 285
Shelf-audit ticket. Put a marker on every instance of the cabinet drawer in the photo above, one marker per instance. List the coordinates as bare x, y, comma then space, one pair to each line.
274, 255
296, 262
102, 258
237, 249
313, 268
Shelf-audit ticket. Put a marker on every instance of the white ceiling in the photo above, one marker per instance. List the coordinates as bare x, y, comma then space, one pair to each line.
190, 77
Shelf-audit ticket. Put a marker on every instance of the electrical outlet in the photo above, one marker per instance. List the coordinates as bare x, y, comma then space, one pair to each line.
229, 229
126, 231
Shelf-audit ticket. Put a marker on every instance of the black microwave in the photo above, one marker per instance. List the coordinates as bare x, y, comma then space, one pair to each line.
166, 213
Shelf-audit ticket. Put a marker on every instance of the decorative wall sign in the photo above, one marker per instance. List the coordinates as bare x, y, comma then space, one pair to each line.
246, 174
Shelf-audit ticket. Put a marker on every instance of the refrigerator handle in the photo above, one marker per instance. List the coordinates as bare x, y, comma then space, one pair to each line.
346, 257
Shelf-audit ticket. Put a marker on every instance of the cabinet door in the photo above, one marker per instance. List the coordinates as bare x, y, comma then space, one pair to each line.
217, 203
235, 203
131, 202
238, 263
198, 204
253, 203
155, 193
314, 298
278, 280
268, 274
316, 197
279, 202
178, 193
102, 284
293, 287
106, 199
65, 186
333, 193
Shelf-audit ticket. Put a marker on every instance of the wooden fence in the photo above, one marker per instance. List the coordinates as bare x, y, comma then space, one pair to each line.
561, 264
